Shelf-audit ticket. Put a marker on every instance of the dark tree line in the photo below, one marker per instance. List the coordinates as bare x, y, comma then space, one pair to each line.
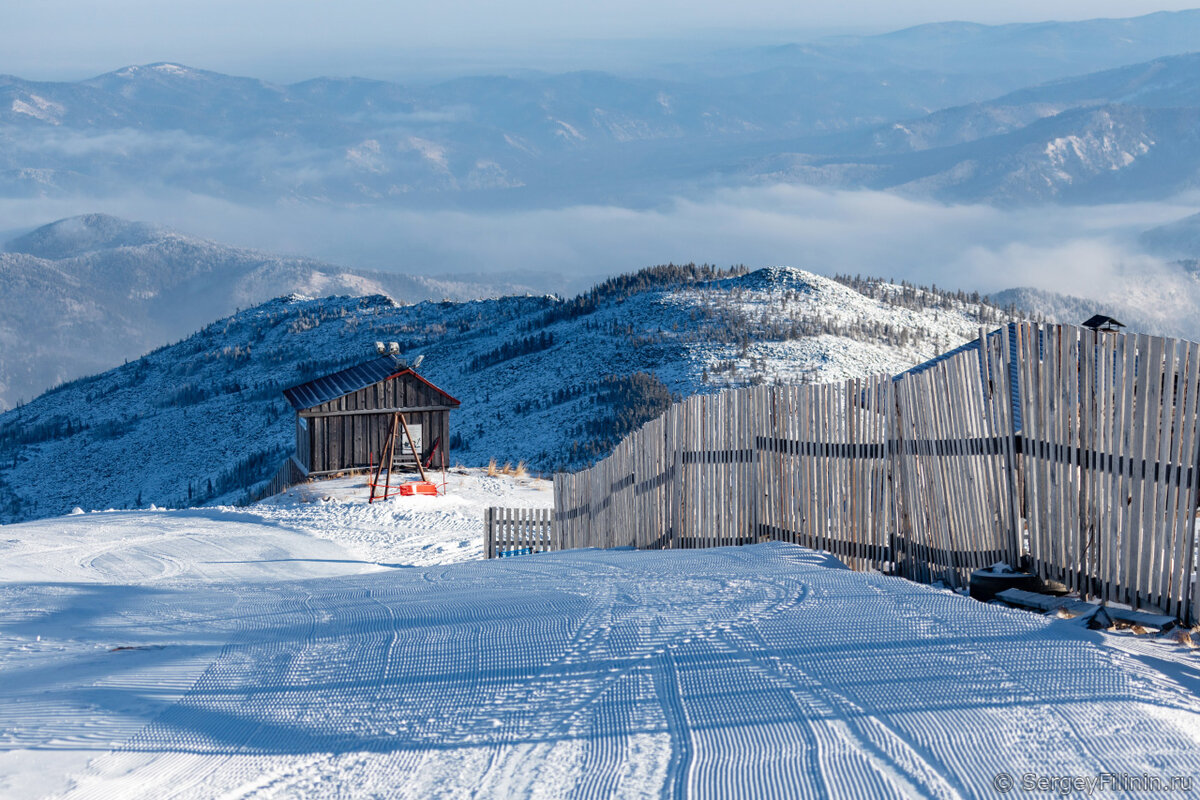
511, 349
914, 297
623, 404
621, 287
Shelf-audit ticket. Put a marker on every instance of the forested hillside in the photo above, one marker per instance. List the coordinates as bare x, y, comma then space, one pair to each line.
552, 382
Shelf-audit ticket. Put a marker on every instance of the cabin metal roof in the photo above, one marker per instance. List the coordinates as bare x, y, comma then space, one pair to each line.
335, 385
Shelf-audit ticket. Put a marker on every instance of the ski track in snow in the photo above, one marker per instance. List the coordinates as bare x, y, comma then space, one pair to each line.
764, 671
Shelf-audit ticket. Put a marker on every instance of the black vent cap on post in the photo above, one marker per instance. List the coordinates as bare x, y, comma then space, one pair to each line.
1100, 322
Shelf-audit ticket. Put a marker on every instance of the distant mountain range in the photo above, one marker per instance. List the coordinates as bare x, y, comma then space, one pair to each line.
1161, 302
912, 110
1115, 136
83, 294
1019, 53
1179, 239
1160, 84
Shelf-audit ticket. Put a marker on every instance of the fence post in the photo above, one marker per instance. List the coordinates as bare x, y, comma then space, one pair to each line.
1003, 377
488, 547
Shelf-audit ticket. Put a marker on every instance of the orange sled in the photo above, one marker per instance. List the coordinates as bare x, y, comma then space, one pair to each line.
418, 487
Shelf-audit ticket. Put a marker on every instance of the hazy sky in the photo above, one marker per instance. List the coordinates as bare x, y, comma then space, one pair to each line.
278, 39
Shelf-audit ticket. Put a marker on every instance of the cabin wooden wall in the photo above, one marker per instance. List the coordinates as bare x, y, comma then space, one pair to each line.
356, 441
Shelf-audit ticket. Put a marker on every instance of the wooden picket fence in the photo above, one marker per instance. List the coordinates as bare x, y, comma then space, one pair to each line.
518, 531
288, 475
1073, 450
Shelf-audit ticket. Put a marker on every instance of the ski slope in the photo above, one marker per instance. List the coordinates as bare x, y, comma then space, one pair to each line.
236, 654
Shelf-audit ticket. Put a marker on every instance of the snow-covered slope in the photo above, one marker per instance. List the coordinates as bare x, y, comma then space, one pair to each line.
84, 294
541, 379
405, 531
235, 653
73, 651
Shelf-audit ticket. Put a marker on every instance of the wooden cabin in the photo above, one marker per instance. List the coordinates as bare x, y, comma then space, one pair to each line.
343, 419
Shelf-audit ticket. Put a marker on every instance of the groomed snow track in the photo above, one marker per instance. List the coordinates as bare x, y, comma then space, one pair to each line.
764, 671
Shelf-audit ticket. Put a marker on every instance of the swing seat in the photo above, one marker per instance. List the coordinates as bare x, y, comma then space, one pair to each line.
418, 487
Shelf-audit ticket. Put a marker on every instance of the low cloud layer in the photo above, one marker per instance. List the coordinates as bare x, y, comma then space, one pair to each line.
1087, 251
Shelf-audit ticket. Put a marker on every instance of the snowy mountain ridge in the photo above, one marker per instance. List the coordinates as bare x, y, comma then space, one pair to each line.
548, 381
126, 287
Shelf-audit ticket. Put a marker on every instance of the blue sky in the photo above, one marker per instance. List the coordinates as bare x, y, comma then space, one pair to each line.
294, 39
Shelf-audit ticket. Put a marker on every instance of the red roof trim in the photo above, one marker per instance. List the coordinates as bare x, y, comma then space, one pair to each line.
410, 371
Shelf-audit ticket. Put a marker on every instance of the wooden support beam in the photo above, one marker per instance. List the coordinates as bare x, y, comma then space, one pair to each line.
416, 455
385, 457
299, 466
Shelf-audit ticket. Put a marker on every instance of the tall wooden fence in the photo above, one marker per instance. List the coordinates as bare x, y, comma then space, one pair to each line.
1075, 449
